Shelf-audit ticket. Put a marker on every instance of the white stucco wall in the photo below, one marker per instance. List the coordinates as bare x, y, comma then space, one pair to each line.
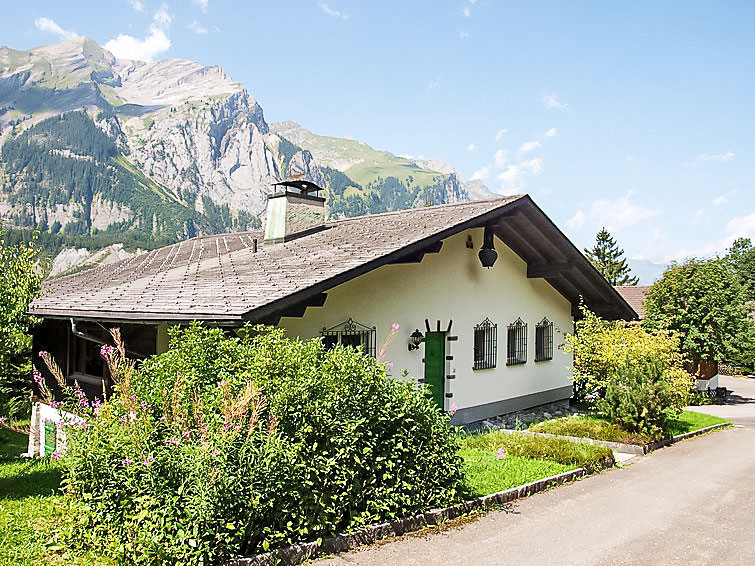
453, 285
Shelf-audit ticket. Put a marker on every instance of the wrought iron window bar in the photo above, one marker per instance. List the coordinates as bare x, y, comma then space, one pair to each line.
544, 340
485, 345
350, 333
516, 343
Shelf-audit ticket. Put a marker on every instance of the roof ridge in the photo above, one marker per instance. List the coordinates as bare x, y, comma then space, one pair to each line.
507, 199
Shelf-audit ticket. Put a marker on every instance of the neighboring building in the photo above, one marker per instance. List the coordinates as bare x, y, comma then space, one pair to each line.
487, 340
635, 295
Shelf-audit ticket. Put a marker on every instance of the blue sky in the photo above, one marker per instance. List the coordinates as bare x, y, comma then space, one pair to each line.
637, 116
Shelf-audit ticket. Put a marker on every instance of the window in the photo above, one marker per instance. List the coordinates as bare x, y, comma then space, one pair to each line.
516, 343
350, 333
485, 345
544, 340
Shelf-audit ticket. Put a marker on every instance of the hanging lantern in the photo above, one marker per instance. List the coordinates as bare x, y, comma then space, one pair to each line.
487, 254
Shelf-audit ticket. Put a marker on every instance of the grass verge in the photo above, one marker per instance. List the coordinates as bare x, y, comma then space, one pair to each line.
591, 426
525, 459
690, 421
598, 428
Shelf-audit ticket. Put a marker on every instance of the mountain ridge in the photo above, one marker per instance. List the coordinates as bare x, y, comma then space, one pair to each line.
185, 134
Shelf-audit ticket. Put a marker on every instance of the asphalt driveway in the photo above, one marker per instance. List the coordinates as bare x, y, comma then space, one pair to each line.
691, 503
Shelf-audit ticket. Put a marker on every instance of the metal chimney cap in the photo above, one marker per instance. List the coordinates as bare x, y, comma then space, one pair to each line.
305, 187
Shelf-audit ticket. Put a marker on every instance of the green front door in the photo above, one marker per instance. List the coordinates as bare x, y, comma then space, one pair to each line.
435, 365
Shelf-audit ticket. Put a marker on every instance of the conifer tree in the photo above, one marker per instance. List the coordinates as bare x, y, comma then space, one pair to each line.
608, 258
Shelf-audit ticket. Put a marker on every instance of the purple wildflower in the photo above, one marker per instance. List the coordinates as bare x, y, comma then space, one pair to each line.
37, 376
222, 383
55, 455
501, 454
215, 452
453, 409
54, 404
126, 462
395, 326
43, 353
2, 420
148, 460
173, 441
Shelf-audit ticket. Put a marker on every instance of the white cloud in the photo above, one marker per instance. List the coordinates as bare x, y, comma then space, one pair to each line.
471, 147
463, 34
631, 159
331, 12
514, 177
162, 18
697, 216
618, 214
500, 133
577, 221
196, 27
500, 158
527, 147
128, 47
720, 200
550, 100
720, 157
202, 4
136, 5
434, 84
48, 25
467, 9
481, 173
552, 133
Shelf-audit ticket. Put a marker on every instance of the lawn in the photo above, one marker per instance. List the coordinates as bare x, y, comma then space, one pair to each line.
495, 460
691, 420
598, 428
30, 503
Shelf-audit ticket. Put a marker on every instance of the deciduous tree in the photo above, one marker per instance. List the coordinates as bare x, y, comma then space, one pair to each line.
20, 279
704, 302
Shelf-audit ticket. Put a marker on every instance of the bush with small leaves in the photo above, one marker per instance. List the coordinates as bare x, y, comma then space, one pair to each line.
225, 446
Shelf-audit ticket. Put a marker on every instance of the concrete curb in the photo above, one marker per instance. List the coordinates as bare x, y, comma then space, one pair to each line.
298, 553
700, 431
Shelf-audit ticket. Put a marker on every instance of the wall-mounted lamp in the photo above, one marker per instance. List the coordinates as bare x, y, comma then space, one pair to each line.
487, 254
415, 339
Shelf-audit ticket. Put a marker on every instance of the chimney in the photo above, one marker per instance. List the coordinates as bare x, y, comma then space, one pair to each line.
293, 212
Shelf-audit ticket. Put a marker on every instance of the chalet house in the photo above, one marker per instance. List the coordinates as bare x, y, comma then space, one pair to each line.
483, 291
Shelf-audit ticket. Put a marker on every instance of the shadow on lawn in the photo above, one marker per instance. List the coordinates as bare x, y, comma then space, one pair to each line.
26, 478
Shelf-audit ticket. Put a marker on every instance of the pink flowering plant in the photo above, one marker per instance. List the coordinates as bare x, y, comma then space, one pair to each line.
226, 446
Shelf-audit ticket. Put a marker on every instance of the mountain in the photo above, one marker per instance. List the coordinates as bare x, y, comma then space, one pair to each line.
148, 153
363, 180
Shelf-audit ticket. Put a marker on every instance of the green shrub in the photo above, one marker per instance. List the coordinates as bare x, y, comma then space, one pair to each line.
640, 399
601, 347
225, 446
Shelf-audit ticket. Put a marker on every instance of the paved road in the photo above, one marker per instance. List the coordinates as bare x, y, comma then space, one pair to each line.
689, 504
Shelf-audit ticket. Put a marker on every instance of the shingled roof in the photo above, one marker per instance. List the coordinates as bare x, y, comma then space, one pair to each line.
635, 295
220, 278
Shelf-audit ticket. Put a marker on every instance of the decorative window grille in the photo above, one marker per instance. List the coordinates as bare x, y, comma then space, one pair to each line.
485, 345
544, 340
516, 343
350, 333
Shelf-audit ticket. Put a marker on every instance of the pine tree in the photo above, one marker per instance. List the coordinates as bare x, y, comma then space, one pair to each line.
606, 256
